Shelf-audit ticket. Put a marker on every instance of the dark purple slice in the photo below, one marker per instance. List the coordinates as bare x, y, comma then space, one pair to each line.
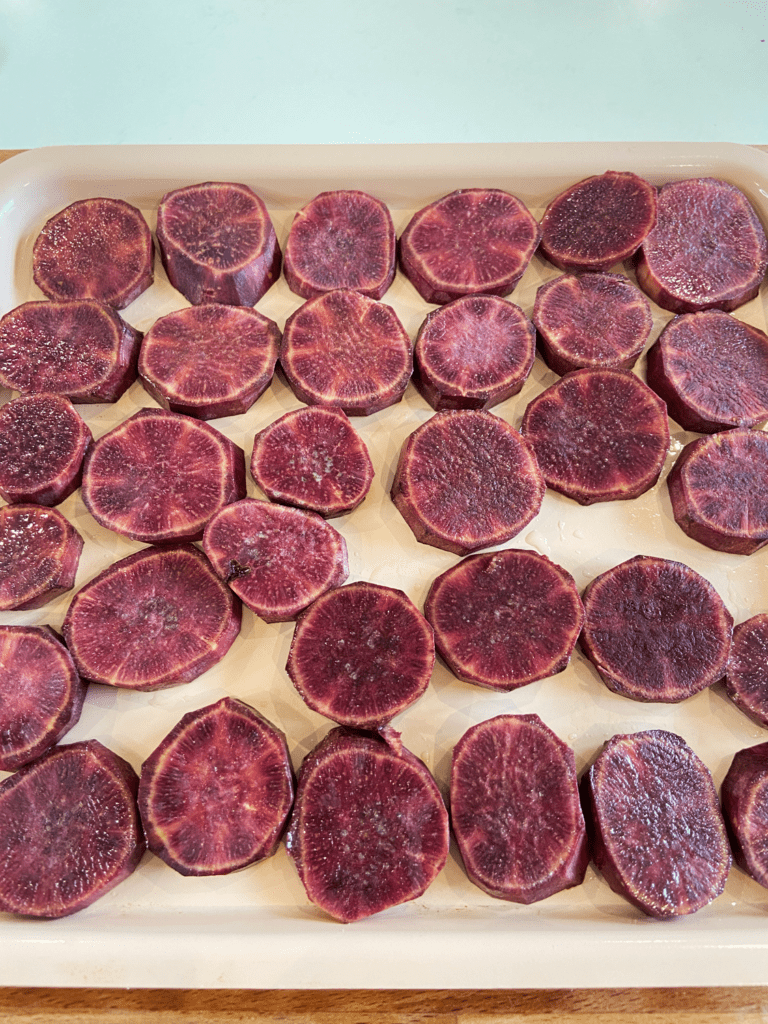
155, 619
39, 554
473, 241
746, 674
313, 459
744, 795
467, 480
598, 435
505, 619
43, 441
217, 243
209, 361
342, 239
215, 795
41, 693
658, 834
69, 830
515, 809
275, 558
473, 353
347, 351
594, 320
81, 349
708, 249
719, 491
655, 630
159, 476
712, 371
361, 654
95, 249
369, 829
598, 222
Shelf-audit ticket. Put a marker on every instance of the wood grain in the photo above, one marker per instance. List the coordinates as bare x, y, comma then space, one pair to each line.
577, 1006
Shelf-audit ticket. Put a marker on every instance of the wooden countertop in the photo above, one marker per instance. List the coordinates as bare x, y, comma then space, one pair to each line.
505, 1006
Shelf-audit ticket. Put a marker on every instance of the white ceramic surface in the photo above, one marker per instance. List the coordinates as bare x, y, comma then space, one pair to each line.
256, 928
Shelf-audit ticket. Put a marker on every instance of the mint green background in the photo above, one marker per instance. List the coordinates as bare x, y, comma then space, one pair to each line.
265, 71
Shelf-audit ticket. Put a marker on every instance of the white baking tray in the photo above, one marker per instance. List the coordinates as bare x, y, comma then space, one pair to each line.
256, 928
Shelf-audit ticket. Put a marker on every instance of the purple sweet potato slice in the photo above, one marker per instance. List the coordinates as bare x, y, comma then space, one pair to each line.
43, 441
347, 351
155, 619
505, 619
41, 693
746, 674
467, 480
209, 361
473, 353
744, 796
718, 492
655, 630
215, 795
312, 458
598, 222
95, 249
69, 830
217, 243
515, 809
473, 241
598, 435
657, 831
275, 558
341, 239
711, 370
81, 349
591, 320
39, 555
361, 654
159, 476
369, 829
708, 249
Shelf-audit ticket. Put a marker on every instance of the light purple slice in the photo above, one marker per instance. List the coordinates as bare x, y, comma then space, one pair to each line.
81, 349
515, 809
69, 830
342, 239
346, 351
744, 796
217, 243
595, 320
473, 241
746, 674
369, 828
43, 441
277, 559
95, 249
312, 458
41, 693
708, 249
39, 554
158, 618
473, 353
216, 793
158, 477
209, 361
467, 480
598, 435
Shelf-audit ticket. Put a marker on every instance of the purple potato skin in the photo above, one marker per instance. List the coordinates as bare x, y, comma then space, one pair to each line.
216, 793
744, 795
397, 830
69, 830
515, 809
41, 693
657, 832
43, 441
